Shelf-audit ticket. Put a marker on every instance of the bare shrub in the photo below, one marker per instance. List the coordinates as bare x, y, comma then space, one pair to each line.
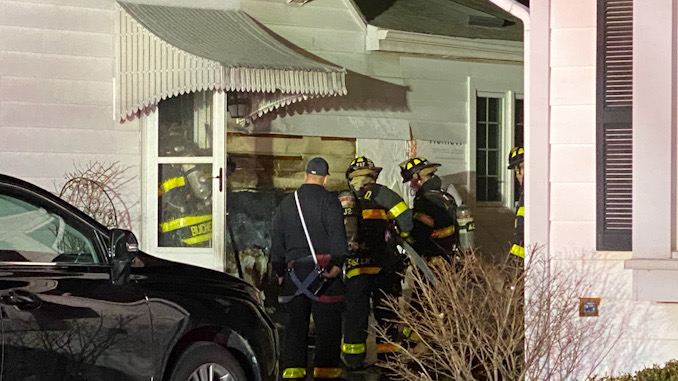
474, 323
95, 188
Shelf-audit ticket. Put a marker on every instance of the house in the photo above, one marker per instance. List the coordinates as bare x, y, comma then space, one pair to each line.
129, 79
601, 165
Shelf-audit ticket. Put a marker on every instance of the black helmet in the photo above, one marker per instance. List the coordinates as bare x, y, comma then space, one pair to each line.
515, 157
411, 167
362, 166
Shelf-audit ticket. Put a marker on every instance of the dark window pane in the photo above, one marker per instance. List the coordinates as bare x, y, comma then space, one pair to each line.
518, 141
494, 109
492, 163
481, 136
493, 189
493, 136
519, 111
481, 108
481, 191
481, 162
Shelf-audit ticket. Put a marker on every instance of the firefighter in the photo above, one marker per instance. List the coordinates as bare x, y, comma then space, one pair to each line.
185, 192
373, 214
436, 230
307, 255
516, 163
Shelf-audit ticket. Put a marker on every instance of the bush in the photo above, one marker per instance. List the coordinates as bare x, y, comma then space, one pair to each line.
475, 321
669, 372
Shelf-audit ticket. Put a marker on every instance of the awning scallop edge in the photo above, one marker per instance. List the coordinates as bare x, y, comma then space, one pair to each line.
168, 51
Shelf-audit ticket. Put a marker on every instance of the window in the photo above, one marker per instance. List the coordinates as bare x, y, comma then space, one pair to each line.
489, 115
614, 130
30, 233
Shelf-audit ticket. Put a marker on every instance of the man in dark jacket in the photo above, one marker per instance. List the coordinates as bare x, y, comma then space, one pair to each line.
374, 266
517, 164
310, 283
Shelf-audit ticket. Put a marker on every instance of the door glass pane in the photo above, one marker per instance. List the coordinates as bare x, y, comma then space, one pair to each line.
494, 109
481, 163
493, 136
492, 163
185, 205
481, 108
493, 189
185, 125
481, 189
481, 136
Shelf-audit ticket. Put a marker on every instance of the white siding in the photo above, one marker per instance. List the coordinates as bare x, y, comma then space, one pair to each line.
646, 331
428, 94
57, 62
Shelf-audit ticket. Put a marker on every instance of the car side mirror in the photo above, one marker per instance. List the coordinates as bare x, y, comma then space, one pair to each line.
124, 248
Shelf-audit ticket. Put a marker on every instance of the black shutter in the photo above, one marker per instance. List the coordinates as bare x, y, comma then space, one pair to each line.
614, 131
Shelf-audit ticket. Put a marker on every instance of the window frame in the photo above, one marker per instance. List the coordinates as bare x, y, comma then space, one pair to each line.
506, 186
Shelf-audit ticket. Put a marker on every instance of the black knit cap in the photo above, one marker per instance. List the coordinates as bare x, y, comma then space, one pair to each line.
318, 166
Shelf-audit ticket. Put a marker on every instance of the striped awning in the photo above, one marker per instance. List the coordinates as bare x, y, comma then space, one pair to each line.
168, 51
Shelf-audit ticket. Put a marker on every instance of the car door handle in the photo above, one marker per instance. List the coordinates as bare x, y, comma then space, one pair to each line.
22, 300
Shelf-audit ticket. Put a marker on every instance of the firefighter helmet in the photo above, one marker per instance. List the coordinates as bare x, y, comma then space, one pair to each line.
515, 157
411, 167
362, 166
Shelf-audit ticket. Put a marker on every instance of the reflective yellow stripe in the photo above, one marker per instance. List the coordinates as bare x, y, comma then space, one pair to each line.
353, 349
397, 210
294, 373
172, 183
387, 348
198, 239
444, 232
326, 372
183, 222
518, 250
374, 214
521, 211
362, 270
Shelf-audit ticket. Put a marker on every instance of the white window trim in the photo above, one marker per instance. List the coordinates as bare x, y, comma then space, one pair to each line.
477, 88
654, 258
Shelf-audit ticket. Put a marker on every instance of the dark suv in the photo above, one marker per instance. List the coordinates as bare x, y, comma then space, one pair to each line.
80, 302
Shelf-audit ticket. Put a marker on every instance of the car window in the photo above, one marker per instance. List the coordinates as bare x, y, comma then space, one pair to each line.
31, 233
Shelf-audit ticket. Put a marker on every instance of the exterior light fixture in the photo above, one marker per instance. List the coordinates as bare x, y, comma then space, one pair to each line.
237, 104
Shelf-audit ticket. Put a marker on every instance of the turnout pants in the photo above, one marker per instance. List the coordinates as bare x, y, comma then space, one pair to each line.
327, 319
360, 289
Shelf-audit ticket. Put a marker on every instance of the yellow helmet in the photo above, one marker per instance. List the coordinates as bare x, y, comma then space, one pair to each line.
361, 166
411, 167
516, 156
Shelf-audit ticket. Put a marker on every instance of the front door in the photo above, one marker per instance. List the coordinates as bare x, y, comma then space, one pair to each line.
184, 178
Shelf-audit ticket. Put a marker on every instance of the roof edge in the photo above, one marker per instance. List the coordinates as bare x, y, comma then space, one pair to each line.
390, 40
